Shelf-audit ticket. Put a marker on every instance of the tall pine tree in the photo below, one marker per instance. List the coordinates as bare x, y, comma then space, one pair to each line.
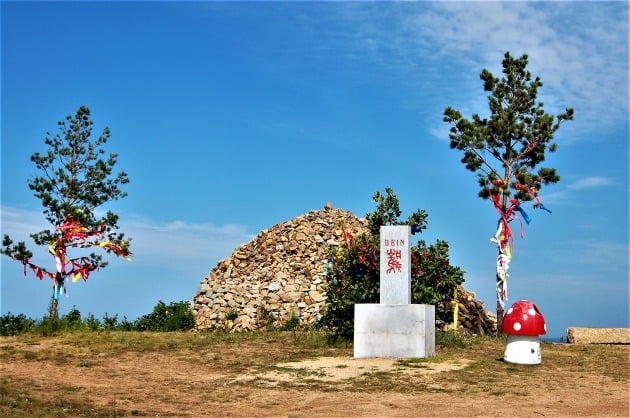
505, 149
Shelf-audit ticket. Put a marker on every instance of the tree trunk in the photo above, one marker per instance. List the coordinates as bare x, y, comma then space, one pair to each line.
499, 317
53, 308
504, 201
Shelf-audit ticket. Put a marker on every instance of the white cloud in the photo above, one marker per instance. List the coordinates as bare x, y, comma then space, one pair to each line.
564, 45
155, 243
590, 183
580, 51
602, 256
181, 241
20, 223
564, 195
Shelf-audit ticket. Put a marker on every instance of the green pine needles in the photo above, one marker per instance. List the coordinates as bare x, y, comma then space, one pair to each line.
505, 148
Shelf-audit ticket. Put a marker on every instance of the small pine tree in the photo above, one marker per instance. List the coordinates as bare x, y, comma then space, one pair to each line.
75, 180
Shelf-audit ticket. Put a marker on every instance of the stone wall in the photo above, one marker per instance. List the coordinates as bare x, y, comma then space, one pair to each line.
585, 335
280, 274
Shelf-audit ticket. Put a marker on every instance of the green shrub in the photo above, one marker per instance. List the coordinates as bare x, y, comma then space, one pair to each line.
125, 325
267, 318
353, 274
92, 323
48, 326
73, 317
175, 317
231, 315
110, 322
292, 323
15, 324
451, 339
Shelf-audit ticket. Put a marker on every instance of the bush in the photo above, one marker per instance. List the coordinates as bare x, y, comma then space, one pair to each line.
354, 268
353, 277
73, 317
175, 317
48, 326
292, 323
110, 322
92, 323
15, 324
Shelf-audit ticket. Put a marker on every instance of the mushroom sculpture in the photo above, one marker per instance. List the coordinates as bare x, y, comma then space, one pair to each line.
523, 323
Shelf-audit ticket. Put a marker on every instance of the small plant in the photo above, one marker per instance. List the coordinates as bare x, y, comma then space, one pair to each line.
73, 317
86, 363
292, 323
110, 322
267, 318
92, 323
231, 315
450, 339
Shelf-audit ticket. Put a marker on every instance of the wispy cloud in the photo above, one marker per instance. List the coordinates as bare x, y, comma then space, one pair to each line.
596, 255
564, 45
580, 52
590, 183
563, 195
20, 223
181, 241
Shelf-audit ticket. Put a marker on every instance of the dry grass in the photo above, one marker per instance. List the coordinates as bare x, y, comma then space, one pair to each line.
182, 374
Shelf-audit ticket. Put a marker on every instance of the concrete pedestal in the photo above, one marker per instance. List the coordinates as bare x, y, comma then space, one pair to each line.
403, 331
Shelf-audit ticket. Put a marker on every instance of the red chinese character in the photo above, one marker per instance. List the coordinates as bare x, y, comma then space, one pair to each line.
393, 261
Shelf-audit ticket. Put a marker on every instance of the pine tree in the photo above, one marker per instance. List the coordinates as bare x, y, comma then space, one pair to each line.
75, 180
505, 149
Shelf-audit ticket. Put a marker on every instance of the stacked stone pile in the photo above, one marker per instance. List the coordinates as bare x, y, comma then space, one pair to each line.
472, 317
280, 275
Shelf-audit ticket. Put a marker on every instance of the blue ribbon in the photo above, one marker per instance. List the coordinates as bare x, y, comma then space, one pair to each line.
523, 214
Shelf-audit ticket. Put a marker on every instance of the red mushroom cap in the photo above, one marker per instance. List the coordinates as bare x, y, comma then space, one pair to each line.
524, 318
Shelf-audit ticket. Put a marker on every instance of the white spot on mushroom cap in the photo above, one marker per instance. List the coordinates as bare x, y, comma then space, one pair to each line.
545, 326
531, 311
510, 311
517, 326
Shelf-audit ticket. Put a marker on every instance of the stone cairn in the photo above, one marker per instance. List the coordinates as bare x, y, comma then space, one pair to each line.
280, 275
472, 317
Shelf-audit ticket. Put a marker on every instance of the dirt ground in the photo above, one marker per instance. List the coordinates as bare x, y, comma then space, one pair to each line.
251, 379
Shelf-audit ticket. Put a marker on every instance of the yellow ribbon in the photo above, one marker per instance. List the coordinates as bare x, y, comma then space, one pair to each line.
455, 310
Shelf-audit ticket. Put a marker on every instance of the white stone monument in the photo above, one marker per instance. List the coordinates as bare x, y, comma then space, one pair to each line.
395, 327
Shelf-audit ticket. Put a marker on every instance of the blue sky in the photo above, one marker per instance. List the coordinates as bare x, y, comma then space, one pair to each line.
232, 117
